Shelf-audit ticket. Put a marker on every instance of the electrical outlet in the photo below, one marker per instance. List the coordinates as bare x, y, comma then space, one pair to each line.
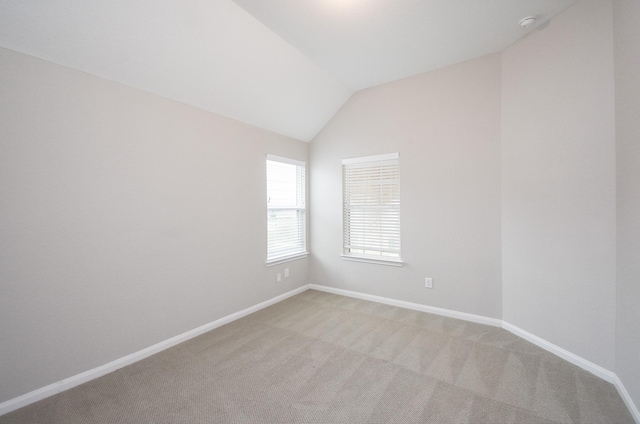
279, 278
286, 273
428, 283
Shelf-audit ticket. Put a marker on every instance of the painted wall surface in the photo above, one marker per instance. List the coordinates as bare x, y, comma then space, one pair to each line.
626, 14
446, 127
559, 183
125, 219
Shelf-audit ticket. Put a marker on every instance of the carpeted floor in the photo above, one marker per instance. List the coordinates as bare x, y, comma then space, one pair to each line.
323, 358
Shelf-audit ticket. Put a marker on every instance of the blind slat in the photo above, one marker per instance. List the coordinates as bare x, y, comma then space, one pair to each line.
371, 207
286, 225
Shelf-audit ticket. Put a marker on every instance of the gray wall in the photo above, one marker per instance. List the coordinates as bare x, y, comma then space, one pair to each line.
120, 225
446, 127
125, 219
558, 180
626, 14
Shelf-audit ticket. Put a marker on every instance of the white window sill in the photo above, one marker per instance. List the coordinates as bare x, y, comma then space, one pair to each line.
284, 259
389, 262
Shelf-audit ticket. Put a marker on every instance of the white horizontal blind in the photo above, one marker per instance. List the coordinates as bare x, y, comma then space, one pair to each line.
286, 227
371, 214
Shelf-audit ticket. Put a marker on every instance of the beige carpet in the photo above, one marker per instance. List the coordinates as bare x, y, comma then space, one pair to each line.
323, 358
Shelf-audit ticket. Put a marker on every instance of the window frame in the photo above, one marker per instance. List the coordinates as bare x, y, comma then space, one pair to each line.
300, 208
377, 162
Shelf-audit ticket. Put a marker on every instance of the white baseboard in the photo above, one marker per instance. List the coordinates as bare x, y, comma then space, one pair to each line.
626, 397
595, 369
76, 380
410, 305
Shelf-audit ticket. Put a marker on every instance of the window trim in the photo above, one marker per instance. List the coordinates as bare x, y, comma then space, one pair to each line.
290, 161
281, 260
370, 260
305, 251
358, 257
374, 158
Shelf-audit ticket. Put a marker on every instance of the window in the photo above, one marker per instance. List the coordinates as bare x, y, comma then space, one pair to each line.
371, 209
286, 227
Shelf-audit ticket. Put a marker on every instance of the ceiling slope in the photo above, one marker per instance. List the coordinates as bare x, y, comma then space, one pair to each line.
364, 43
211, 54
283, 65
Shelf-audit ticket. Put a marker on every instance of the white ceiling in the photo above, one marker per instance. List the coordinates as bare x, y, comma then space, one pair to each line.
288, 71
207, 53
364, 43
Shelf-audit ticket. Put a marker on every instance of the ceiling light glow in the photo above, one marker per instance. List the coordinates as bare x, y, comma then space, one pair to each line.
343, 4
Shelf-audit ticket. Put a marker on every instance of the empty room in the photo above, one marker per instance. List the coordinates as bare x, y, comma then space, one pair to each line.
320, 211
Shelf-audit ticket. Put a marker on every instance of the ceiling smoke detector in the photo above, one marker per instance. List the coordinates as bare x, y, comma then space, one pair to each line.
527, 22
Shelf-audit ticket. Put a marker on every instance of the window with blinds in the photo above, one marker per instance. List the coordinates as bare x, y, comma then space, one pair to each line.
371, 208
286, 227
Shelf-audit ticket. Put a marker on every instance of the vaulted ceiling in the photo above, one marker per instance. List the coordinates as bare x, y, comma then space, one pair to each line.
283, 65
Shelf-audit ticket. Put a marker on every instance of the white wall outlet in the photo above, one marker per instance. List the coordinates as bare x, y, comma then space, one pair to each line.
286, 273
279, 277
428, 283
